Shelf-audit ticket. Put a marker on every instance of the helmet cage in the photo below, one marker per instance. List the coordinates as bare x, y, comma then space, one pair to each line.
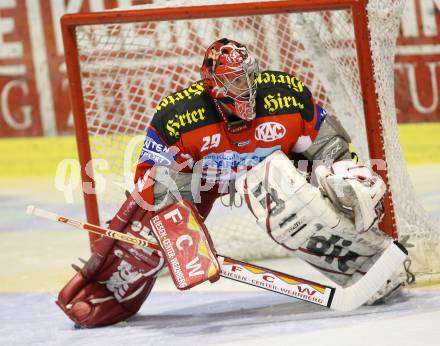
230, 73
238, 83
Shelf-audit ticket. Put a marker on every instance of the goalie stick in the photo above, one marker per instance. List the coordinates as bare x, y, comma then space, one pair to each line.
336, 298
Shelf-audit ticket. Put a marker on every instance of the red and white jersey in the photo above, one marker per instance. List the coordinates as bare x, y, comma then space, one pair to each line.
187, 132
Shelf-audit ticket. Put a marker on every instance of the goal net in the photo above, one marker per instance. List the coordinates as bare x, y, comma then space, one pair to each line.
122, 63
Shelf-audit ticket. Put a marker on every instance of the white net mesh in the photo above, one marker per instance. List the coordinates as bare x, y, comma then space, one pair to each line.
126, 68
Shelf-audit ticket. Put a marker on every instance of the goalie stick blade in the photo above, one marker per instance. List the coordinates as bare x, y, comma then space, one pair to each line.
336, 298
30, 209
352, 297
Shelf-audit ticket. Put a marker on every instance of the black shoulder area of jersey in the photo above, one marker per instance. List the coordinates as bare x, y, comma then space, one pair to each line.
282, 93
184, 111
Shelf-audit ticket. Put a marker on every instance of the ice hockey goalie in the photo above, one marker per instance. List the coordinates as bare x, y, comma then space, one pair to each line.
241, 130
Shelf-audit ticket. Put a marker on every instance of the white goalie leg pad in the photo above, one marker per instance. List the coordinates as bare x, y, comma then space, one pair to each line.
297, 216
284, 203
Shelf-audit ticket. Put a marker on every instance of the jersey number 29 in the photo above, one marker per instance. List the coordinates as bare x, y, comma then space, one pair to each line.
210, 142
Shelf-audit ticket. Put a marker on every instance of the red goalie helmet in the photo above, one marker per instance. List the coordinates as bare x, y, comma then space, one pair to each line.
230, 75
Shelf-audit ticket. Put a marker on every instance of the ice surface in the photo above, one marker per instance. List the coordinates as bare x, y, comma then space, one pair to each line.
241, 318
35, 256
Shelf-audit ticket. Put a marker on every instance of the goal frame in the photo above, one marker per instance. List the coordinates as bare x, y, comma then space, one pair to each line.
364, 59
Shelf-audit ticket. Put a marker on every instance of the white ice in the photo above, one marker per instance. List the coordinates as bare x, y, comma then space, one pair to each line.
35, 255
223, 318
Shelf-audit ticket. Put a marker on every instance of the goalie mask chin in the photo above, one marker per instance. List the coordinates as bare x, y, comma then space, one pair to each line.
230, 75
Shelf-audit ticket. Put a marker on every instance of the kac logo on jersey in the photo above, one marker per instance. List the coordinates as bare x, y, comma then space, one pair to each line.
270, 131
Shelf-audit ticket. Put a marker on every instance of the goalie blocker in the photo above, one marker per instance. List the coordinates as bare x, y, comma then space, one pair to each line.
186, 245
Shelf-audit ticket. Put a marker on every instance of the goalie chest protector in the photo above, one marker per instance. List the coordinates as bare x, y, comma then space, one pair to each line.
187, 127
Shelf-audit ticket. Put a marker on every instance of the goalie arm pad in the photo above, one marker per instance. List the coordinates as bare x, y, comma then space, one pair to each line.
171, 186
331, 144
